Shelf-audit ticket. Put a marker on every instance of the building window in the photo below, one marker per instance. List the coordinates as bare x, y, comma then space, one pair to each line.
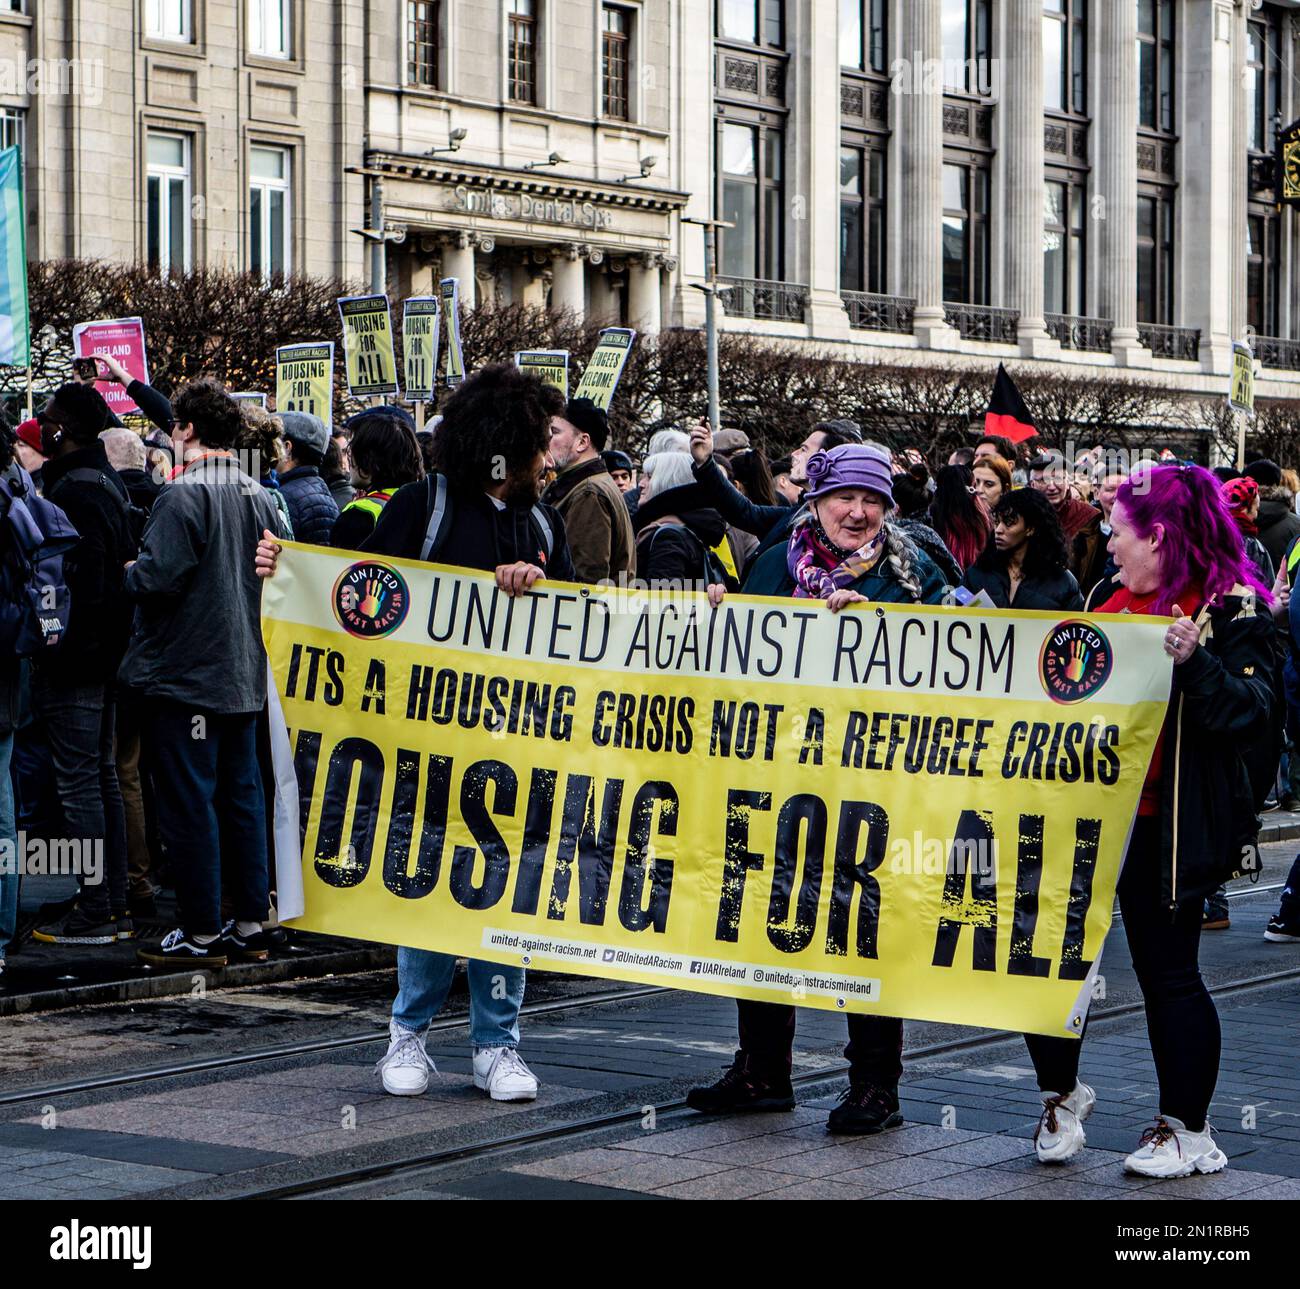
167, 198
862, 219
862, 35
751, 200
269, 250
616, 47
422, 43
753, 22
268, 27
967, 45
523, 51
965, 233
1064, 247
1155, 256
169, 19
1065, 56
13, 129
1155, 59
1263, 82
1262, 261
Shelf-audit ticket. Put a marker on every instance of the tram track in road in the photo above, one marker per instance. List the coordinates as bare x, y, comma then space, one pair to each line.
234, 1060
672, 1111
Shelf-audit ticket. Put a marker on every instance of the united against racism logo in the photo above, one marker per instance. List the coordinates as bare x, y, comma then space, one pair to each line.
370, 600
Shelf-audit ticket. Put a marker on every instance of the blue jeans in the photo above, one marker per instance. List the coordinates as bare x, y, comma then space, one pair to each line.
423, 979
8, 833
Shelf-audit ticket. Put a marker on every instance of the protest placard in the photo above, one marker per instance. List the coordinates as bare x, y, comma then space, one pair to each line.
420, 317
552, 365
368, 346
120, 338
304, 379
600, 377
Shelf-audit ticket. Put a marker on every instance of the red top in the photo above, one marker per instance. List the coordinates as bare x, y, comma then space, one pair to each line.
1124, 601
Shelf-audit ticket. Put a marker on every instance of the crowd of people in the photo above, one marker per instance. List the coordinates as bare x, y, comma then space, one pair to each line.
160, 678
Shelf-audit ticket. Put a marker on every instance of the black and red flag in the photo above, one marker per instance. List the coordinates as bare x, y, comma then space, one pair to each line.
1007, 414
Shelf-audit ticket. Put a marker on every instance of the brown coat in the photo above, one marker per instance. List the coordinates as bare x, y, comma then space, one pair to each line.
596, 521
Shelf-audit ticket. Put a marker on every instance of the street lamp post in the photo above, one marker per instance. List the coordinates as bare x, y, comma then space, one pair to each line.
710, 289
376, 234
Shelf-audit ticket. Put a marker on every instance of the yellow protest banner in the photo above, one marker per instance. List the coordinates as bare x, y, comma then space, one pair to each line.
552, 365
368, 345
450, 289
420, 317
915, 811
304, 380
600, 376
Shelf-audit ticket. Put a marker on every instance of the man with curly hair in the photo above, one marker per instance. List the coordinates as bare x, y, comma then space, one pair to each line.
196, 657
490, 453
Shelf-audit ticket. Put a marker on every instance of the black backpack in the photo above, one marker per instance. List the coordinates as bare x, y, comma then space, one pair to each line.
438, 509
136, 519
711, 568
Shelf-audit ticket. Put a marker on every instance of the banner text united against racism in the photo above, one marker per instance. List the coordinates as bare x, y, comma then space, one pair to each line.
882, 810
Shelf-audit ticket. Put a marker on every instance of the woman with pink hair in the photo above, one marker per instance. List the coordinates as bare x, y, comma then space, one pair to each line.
1179, 555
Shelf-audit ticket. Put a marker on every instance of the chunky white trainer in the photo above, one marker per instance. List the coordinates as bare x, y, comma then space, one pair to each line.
1059, 1135
1168, 1149
406, 1066
502, 1074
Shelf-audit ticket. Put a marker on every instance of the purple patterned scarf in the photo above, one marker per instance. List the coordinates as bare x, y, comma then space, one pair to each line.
819, 567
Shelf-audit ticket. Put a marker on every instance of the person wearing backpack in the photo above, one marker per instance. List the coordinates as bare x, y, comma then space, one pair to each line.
73, 688
676, 528
385, 456
480, 509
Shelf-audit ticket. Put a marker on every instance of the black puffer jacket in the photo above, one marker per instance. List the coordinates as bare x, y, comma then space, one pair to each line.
1220, 706
675, 532
1278, 522
312, 509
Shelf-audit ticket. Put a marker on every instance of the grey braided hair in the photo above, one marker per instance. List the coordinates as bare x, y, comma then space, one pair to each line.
901, 553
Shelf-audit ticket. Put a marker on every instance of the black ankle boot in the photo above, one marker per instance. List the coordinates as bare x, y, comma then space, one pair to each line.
865, 1108
743, 1088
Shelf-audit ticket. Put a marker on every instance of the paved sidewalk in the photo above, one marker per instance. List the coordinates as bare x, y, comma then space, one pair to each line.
970, 1113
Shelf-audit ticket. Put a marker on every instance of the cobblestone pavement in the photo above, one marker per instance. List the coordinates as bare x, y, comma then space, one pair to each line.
970, 1113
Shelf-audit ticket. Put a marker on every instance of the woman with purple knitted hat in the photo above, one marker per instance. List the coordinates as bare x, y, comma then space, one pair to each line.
843, 549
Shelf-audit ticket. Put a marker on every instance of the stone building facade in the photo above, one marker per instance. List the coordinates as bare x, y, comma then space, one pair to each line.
1063, 182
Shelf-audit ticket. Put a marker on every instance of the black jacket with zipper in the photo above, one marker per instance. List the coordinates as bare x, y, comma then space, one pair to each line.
99, 624
675, 532
481, 535
1220, 708
1055, 590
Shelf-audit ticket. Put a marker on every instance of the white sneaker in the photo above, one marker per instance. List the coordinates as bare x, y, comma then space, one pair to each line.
1059, 1135
406, 1066
502, 1074
1169, 1150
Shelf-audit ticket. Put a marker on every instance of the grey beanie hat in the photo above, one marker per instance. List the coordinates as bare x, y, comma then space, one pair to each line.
306, 429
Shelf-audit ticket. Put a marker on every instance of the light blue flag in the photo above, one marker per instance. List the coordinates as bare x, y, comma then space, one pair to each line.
15, 338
